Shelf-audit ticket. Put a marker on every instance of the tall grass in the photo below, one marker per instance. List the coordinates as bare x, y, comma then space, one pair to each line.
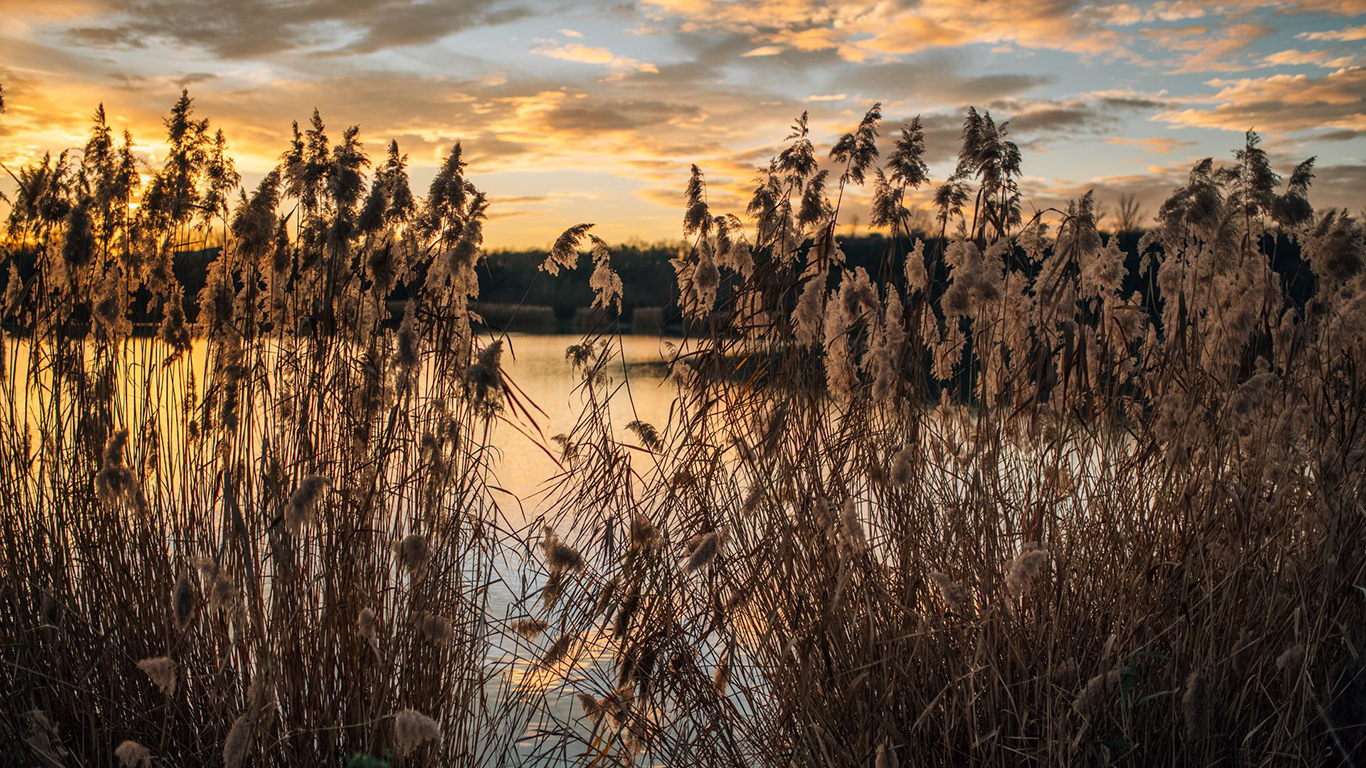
985, 508
982, 507
266, 538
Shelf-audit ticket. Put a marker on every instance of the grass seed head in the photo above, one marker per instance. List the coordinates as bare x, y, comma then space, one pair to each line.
560, 556
702, 550
299, 511
437, 629
1024, 568
412, 729
162, 671
133, 755
413, 552
528, 628
1195, 704
237, 743
953, 593
1097, 693
368, 626
183, 602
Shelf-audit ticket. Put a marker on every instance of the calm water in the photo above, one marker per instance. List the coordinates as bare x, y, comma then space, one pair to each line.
524, 468
536, 363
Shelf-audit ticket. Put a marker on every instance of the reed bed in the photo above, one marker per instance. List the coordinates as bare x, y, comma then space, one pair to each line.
991, 505
265, 536
986, 507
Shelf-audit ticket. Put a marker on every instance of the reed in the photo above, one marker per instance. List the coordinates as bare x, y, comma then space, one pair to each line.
992, 507
1000, 501
222, 545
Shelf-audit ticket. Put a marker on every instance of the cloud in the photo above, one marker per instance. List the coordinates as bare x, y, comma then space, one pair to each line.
859, 30
584, 54
588, 119
1129, 14
1040, 121
1281, 103
240, 30
1293, 58
1339, 186
723, 82
1203, 50
1350, 34
938, 78
1160, 146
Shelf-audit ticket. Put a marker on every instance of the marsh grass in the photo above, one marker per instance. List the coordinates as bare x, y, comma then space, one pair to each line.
223, 545
1010, 516
981, 507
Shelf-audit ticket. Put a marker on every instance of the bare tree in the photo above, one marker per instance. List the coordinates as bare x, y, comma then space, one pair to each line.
1130, 215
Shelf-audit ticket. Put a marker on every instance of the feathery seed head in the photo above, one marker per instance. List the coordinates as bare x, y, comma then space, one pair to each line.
1195, 704
162, 671
368, 626
133, 755
644, 535
300, 508
437, 629
954, 594
528, 628
853, 527
560, 556
1024, 568
702, 549
413, 552
1097, 692
183, 602
412, 729
591, 707
557, 650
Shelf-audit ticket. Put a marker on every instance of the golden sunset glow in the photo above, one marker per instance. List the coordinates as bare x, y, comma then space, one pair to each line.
562, 109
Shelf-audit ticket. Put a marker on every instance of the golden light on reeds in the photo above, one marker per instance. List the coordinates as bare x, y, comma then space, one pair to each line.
1001, 493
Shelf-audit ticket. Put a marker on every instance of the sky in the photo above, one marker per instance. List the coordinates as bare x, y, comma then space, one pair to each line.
593, 111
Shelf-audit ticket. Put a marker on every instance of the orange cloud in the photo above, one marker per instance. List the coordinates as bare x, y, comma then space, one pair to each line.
863, 28
1350, 34
585, 54
1208, 54
1161, 146
1282, 103
1300, 58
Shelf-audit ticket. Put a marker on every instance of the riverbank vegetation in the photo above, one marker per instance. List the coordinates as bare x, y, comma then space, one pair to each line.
1012, 491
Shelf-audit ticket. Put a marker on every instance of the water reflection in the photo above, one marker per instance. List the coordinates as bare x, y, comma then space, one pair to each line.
538, 366
143, 391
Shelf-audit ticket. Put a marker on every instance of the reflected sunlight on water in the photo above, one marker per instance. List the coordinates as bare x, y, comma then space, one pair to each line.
537, 365
550, 394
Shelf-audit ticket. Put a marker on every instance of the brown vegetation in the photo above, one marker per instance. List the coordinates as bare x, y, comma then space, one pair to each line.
983, 507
